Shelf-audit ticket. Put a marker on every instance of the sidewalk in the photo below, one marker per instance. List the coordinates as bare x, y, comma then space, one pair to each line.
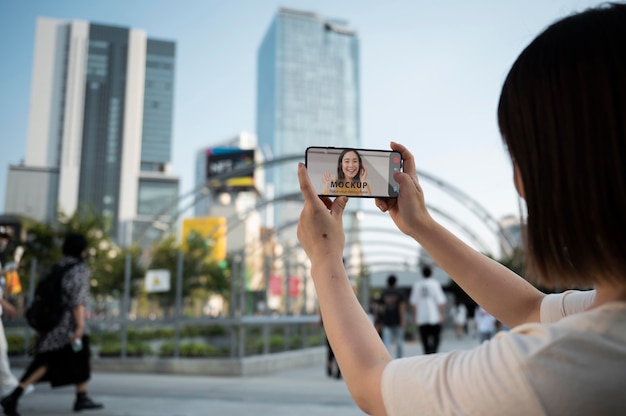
298, 392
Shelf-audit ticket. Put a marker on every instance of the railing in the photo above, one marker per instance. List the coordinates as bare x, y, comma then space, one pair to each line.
237, 330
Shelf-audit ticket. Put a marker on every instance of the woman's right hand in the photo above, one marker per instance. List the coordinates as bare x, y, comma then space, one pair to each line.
327, 178
408, 211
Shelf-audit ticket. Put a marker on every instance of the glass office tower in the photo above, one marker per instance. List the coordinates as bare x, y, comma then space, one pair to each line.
307, 94
100, 125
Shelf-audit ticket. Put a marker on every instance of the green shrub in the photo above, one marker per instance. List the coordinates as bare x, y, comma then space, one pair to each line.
315, 340
295, 342
255, 345
133, 349
191, 349
97, 338
16, 344
202, 331
166, 349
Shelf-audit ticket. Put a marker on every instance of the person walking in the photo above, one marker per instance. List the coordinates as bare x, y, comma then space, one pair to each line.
392, 311
429, 303
62, 355
459, 316
8, 381
485, 324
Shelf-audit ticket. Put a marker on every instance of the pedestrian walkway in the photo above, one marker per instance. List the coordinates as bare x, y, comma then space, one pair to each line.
297, 392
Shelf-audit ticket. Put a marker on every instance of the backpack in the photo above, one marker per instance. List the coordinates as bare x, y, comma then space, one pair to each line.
46, 310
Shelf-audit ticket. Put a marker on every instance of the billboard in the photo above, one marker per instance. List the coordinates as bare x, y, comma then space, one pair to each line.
213, 232
220, 161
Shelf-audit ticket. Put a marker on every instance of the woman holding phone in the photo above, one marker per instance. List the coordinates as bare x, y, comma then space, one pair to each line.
561, 116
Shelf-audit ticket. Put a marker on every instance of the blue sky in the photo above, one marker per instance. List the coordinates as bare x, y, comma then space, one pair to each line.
431, 73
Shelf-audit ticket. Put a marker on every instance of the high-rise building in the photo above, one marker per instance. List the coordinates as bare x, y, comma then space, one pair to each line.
100, 128
307, 94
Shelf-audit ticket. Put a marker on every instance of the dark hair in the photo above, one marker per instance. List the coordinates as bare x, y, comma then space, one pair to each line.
426, 271
391, 280
340, 174
74, 245
562, 117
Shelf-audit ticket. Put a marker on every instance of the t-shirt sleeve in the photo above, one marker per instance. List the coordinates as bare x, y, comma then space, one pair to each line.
556, 306
481, 381
441, 297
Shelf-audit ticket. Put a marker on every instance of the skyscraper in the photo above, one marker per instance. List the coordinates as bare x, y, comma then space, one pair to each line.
307, 94
100, 127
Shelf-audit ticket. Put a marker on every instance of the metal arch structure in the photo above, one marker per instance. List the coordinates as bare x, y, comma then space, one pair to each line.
298, 197
477, 209
472, 236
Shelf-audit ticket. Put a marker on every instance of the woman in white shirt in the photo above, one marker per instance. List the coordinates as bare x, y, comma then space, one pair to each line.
561, 115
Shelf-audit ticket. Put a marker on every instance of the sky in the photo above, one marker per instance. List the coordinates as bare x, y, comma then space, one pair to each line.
431, 74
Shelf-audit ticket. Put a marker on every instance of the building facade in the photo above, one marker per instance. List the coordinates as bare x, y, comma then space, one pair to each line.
100, 128
307, 95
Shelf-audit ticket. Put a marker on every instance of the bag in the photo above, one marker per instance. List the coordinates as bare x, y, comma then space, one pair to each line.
46, 309
14, 286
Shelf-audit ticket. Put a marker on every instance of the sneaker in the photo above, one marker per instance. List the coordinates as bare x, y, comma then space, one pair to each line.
85, 403
28, 390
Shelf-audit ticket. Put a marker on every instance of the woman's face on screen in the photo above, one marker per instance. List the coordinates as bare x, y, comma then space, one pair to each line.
350, 165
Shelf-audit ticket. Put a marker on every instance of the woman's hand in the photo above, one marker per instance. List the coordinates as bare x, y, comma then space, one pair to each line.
363, 174
327, 178
320, 229
408, 211
7, 308
79, 318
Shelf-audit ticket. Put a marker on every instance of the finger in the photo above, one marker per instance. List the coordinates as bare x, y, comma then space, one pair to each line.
408, 161
306, 187
338, 206
381, 204
408, 183
385, 204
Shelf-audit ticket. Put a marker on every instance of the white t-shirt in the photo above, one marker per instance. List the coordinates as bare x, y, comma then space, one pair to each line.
426, 296
485, 322
459, 313
570, 366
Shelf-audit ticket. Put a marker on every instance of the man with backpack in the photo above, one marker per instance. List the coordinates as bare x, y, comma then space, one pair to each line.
62, 355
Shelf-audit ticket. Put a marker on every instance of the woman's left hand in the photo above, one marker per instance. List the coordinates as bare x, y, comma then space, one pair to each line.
320, 229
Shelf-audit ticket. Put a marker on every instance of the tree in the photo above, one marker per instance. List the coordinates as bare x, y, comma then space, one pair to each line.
104, 257
201, 275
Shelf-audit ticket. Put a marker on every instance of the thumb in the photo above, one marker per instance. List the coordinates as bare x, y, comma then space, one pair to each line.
406, 181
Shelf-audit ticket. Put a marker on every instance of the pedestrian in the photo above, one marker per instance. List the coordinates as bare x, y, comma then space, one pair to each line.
62, 355
8, 381
561, 115
428, 301
459, 316
485, 324
392, 311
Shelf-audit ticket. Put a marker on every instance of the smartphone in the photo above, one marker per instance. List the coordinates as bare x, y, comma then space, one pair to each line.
363, 173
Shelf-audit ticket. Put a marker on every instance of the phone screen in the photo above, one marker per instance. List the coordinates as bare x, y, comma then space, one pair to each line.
364, 173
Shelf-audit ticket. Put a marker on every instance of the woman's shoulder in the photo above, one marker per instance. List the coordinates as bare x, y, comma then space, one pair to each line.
74, 266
